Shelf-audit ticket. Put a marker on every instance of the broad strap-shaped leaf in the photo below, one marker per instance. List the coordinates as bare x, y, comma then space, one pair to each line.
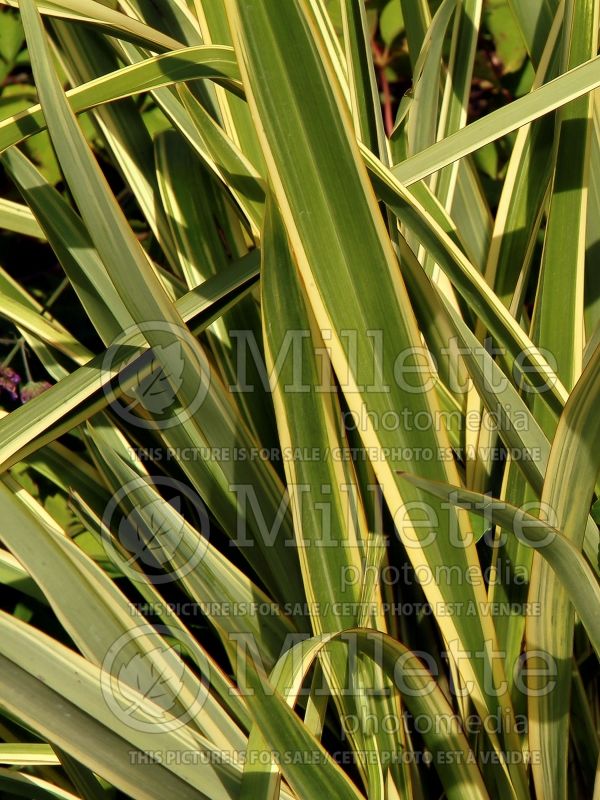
566, 561
60, 695
45, 417
558, 326
574, 83
569, 484
335, 228
108, 19
19, 219
460, 776
182, 64
153, 311
330, 525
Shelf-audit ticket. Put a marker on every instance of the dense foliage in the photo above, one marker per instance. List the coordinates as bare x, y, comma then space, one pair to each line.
299, 378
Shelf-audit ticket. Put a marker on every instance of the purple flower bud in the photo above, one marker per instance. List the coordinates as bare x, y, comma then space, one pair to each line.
33, 389
9, 380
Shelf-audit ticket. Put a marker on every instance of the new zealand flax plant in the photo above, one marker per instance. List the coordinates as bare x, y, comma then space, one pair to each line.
300, 371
